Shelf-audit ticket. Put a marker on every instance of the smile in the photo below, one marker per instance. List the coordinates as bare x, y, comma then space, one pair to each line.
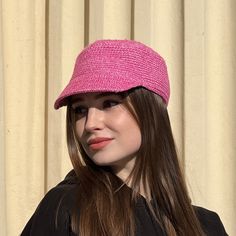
99, 143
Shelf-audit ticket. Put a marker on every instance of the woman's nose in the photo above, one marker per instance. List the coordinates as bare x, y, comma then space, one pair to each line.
94, 119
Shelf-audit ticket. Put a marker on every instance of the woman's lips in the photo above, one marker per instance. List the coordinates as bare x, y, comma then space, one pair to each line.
99, 143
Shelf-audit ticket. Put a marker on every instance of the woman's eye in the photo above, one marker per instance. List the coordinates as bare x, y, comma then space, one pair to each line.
80, 110
110, 103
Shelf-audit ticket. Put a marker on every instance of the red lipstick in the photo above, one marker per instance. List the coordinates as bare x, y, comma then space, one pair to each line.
99, 142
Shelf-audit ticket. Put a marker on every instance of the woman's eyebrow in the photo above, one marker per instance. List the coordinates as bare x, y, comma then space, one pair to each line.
100, 95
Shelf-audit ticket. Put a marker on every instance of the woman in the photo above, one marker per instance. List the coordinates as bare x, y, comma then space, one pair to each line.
126, 178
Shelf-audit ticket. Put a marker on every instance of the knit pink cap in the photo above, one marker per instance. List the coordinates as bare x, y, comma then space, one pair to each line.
116, 66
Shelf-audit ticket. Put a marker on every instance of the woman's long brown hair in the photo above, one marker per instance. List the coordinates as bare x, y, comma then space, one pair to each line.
105, 205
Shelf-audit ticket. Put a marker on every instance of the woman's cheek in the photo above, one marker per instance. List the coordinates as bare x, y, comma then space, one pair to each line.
79, 128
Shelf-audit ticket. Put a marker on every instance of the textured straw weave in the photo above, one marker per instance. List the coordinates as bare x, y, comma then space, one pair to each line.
116, 66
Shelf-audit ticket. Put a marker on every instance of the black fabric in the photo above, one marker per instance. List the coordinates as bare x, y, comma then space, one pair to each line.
52, 216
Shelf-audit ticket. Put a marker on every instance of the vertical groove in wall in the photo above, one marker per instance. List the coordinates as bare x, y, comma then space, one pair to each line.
132, 19
86, 22
3, 216
46, 95
183, 96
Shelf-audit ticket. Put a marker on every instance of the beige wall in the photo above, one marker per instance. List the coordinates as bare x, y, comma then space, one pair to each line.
39, 41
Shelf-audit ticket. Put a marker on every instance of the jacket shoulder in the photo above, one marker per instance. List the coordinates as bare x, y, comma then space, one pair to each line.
52, 216
210, 222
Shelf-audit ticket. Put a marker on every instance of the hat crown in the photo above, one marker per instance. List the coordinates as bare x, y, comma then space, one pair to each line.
115, 66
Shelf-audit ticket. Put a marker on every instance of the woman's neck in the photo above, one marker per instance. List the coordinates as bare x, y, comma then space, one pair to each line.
124, 175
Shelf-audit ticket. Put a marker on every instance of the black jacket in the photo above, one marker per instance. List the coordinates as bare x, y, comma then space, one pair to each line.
42, 222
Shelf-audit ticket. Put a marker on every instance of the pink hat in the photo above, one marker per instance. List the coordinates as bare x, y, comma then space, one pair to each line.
116, 66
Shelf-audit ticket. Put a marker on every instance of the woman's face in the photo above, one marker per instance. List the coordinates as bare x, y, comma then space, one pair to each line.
106, 129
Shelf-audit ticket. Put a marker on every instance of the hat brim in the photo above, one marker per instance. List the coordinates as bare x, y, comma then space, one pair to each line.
86, 84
